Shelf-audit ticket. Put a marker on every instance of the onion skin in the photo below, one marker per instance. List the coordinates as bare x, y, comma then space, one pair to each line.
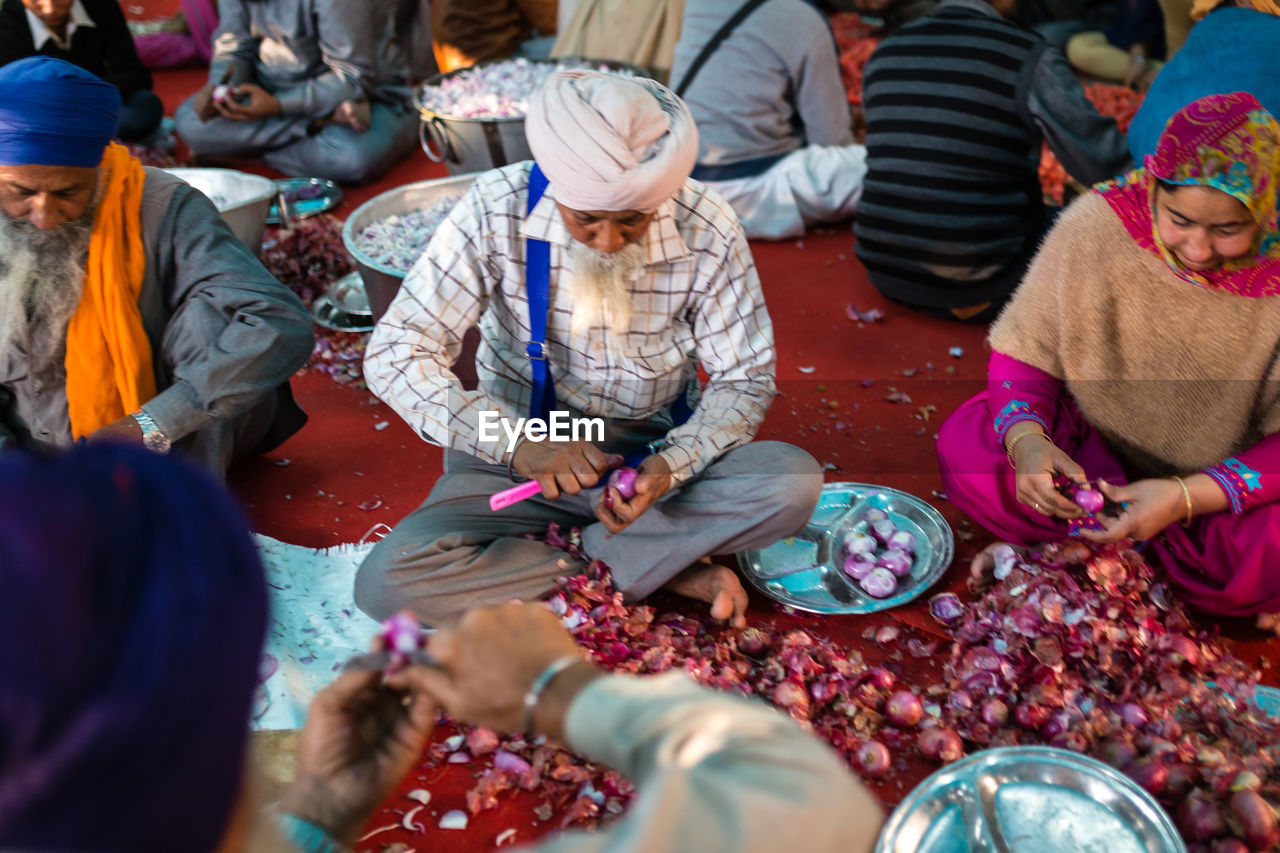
1148, 773
995, 713
753, 642
946, 608
1229, 845
904, 709
624, 480
1200, 818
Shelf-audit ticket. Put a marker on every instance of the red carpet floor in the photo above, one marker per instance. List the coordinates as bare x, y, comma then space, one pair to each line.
346, 472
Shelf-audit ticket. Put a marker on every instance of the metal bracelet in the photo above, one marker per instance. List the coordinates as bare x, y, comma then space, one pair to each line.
540, 684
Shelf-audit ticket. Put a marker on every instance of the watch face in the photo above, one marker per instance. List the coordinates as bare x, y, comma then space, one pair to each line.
155, 441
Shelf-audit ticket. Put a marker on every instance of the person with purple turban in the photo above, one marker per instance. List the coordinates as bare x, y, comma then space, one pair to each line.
601, 278
128, 309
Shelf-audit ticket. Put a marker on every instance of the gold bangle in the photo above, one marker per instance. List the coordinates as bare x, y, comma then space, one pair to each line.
1008, 451
1186, 496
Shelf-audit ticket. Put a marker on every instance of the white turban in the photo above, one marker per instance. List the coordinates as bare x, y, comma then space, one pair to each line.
607, 142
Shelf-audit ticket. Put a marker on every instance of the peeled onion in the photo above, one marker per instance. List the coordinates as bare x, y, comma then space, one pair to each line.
624, 480
902, 540
860, 543
858, 568
1088, 499
880, 583
898, 562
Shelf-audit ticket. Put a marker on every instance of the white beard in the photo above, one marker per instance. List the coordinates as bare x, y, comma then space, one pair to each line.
41, 279
601, 287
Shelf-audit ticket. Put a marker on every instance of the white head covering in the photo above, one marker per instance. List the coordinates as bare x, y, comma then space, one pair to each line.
607, 142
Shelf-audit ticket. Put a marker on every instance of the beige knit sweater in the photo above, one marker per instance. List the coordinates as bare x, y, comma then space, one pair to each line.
1177, 377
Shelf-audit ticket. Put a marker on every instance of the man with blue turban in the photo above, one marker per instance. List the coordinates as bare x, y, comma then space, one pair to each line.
128, 309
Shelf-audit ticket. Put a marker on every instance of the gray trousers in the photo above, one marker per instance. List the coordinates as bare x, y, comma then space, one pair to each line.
454, 553
283, 143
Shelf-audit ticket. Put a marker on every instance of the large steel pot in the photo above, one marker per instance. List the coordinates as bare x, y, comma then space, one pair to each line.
242, 199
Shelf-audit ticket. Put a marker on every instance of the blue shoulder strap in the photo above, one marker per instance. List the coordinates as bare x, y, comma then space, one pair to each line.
537, 264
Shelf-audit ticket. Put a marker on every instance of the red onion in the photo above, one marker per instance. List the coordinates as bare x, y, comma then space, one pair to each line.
753, 642
624, 480
940, 744
1118, 752
904, 709
1229, 845
995, 713
860, 543
874, 515
880, 583
882, 678
1198, 817
882, 530
1030, 716
403, 634
504, 760
1132, 715
1088, 499
1148, 773
897, 562
873, 758
1257, 819
858, 568
790, 695
902, 540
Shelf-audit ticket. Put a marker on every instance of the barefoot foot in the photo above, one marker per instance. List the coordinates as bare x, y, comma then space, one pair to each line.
1269, 622
716, 585
353, 114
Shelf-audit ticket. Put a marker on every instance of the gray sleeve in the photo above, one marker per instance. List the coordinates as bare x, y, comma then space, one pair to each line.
1089, 144
713, 773
348, 38
234, 331
234, 43
821, 98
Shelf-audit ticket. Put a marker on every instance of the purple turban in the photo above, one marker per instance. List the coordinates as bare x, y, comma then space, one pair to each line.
53, 113
132, 614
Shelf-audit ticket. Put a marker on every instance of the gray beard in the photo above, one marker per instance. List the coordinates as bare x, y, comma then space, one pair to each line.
41, 279
601, 286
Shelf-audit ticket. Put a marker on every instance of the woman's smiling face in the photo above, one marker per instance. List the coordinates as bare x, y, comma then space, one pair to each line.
1203, 227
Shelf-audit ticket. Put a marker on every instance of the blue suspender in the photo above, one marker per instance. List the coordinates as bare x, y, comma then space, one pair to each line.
537, 259
537, 262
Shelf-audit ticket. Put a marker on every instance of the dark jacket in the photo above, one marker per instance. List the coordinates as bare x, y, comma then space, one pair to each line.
105, 49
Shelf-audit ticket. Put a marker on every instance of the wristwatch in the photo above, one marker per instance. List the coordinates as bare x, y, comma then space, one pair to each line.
153, 438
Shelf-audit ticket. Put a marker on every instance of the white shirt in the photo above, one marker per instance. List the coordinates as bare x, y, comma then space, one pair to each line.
40, 34
698, 297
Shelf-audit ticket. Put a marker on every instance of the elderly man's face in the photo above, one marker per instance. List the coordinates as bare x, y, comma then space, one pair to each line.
606, 231
52, 13
46, 196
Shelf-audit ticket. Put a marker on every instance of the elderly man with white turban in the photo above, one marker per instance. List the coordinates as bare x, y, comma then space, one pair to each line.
128, 309
600, 279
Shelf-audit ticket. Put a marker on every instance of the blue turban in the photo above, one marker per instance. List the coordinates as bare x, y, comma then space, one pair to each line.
53, 113
132, 614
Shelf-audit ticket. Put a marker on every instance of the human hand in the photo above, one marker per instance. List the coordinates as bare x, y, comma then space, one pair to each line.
1150, 506
125, 430
562, 466
203, 104
360, 739
653, 480
249, 102
490, 660
1037, 460
1137, 67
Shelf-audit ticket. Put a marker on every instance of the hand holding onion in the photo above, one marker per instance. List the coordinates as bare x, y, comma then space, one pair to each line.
361, 737
616, 511
565, 467
1150, 506
248, 102
1036, 461
489, 662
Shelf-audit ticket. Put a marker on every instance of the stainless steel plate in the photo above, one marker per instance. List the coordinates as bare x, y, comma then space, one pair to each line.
804, 571
306, 197
1029, 799
344, 306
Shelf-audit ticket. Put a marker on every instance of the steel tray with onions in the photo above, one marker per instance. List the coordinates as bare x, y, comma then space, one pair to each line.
306, 197
807, 571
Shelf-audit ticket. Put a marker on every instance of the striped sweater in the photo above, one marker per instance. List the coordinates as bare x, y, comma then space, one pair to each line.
952, 208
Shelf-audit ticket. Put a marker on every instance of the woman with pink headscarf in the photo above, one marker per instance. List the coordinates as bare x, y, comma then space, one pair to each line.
1142, 351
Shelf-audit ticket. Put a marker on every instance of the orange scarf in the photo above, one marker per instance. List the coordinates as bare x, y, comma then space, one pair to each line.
109, 370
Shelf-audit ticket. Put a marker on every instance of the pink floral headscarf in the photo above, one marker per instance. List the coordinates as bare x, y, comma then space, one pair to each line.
1227, 142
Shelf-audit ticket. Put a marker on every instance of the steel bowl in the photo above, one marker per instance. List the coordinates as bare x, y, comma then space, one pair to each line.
1029, 799
805, 571
381, 282
242, 199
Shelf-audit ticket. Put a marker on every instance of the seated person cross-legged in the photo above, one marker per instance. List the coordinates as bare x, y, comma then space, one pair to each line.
312, 93
128, 309
633, 272
1141, 351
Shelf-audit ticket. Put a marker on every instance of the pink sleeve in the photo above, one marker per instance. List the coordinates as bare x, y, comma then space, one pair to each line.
1018, 392
1252, 478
